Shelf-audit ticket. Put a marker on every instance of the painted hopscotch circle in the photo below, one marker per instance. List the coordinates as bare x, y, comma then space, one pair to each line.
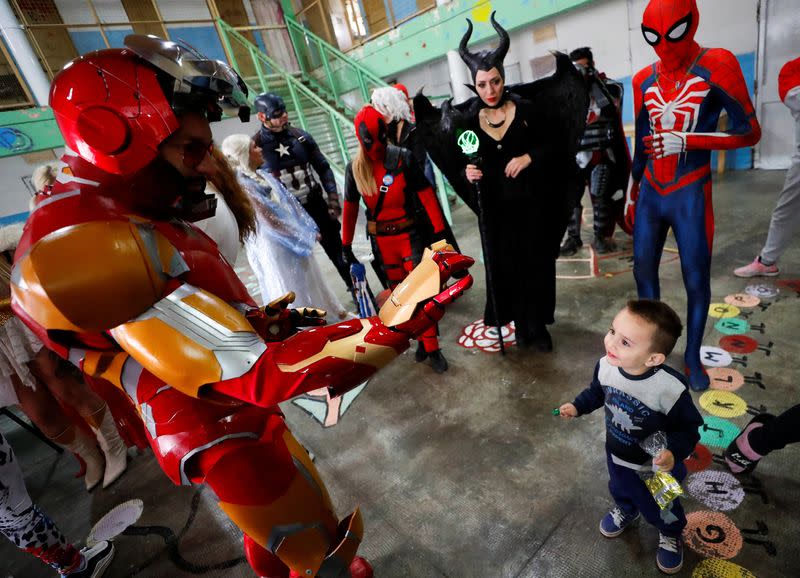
732, 326
723, 403
791, 284
478, 335
715, 568
699, 459
717, 432
719, 491
712, 534
714, 356
738, 344
723, 310
725, 378
762, 291
742, 300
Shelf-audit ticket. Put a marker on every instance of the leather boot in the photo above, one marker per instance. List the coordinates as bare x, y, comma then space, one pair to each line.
573, 241
438, 362
420, 354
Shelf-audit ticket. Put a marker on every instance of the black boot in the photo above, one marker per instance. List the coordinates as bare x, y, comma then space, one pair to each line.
573, 241
603, 246
542, 340
438, 362
522, 335
420, 355
570, 246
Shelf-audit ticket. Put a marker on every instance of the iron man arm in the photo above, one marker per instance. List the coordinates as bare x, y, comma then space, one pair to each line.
342, 356
195, 341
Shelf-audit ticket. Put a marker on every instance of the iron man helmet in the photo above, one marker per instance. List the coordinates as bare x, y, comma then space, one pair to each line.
116, 106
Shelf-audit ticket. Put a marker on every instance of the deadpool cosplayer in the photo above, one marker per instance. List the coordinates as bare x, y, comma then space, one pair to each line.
387, 178
677, 104
157, 311
290, 154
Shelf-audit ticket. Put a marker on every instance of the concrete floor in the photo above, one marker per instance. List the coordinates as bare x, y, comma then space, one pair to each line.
468, 474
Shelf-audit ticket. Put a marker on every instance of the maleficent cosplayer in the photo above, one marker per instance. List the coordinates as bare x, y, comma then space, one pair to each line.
528, 135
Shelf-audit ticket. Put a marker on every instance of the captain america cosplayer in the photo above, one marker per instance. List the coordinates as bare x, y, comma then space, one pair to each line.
293, 157
155, 309
677, 104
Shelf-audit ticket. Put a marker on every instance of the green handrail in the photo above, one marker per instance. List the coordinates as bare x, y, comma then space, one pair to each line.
293, 24
363, 76
299, 88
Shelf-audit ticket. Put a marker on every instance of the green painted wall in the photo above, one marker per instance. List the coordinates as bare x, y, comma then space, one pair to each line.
28, 131
429, 36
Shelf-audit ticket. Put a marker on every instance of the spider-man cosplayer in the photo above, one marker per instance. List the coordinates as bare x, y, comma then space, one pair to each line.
391, 180
677, 103
155, 309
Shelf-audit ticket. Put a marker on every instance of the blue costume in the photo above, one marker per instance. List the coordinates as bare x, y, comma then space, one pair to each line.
677, 104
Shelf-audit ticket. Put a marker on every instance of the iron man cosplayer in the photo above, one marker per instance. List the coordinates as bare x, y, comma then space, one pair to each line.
110, 275
677, 104
391, 180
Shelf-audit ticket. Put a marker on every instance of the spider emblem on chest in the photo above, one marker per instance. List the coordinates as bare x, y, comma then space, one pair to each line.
678, 111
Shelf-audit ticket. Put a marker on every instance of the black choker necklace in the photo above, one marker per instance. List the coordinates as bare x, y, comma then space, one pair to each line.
492, 124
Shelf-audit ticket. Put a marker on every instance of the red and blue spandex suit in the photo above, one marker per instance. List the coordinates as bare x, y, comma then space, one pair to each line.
677, 104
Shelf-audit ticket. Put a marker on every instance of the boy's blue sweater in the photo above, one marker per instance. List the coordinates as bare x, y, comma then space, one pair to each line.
640, 405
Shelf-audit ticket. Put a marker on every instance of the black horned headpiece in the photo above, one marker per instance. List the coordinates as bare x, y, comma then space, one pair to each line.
485, 59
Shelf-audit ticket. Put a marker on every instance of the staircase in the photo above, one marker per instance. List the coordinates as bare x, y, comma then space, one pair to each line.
307, 112
322, 97
327, 119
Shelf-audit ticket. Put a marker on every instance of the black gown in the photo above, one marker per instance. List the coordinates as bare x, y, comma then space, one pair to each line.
525, 219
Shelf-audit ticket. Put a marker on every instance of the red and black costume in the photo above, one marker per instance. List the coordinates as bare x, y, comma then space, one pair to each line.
156, 311
391, 223
603, 159
677, 104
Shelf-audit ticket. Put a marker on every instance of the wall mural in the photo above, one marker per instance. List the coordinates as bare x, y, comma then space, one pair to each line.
27, 131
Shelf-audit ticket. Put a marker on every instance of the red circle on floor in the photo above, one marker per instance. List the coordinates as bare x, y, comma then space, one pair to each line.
793, 284
738, 344
699, 459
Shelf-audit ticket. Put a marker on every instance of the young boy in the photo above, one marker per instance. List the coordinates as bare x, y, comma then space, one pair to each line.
642, 396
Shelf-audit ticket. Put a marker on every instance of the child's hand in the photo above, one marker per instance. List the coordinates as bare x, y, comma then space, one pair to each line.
567, 411
665, 461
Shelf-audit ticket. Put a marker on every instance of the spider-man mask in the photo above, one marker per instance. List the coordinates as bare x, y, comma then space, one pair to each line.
669, 27
371, 132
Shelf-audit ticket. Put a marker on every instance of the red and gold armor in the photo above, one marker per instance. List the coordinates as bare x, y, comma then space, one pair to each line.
109, 276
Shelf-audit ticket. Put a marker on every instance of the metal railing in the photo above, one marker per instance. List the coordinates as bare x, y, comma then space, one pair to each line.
333, 120
271, 77
328, 67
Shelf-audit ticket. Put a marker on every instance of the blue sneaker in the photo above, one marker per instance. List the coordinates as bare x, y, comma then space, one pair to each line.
614, 523
670, 554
